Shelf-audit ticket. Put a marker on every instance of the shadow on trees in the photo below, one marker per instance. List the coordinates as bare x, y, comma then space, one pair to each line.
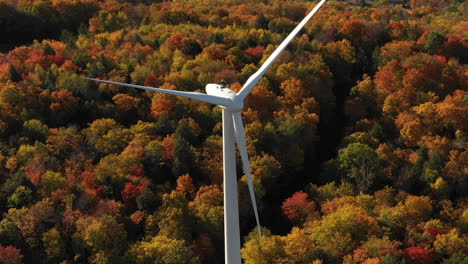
18, 27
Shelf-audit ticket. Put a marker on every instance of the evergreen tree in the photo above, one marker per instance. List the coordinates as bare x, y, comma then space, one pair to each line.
15, 76
147, 201
261, 22
184, 157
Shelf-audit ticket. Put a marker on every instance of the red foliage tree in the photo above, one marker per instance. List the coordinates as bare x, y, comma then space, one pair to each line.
229, 76
68, 223
152, 80
63, 100
36, 56
255, 52
108, 207
435, 231
34, 175
174, 41
10, 255
136, 170
131, 191
298, 207
417, 255
162, 103
454, 46
89, 179
216, 51
161, 106
18, 56
387, 79
396, 30
262, 100
57, 59
455, 110
168, 144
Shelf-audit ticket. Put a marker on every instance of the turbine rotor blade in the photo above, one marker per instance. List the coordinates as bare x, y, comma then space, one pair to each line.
194, 95
241, 145
253, 80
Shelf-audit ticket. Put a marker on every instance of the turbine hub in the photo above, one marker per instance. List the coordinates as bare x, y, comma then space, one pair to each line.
222, 90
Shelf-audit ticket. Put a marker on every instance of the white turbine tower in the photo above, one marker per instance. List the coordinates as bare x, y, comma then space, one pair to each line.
233, 130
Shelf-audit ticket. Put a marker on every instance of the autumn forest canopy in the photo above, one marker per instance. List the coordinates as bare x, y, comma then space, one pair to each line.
357, 135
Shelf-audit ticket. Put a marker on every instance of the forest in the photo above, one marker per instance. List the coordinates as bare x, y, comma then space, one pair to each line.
357, 135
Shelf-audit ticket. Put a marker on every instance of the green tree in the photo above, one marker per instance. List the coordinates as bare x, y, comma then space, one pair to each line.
456, 258
34, 221
360, 164
434, 39
417, 169
183, 130
35, 130
185, 158
53, 244
154, 157
73, 13
392, 217
67, 80
108, 21
14, 181
174, 220
147, 200
208, 206
112, 172
433, 168
52, 181
15, 76
107, 136
21, 197
9, 232
330, 191
261, 22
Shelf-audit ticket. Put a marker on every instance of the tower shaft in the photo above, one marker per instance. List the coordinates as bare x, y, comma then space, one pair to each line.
231, 208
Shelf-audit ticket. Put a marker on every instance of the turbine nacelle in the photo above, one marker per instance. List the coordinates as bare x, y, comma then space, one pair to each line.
223, 91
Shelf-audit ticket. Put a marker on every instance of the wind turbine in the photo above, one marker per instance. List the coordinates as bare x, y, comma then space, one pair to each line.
233, 131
